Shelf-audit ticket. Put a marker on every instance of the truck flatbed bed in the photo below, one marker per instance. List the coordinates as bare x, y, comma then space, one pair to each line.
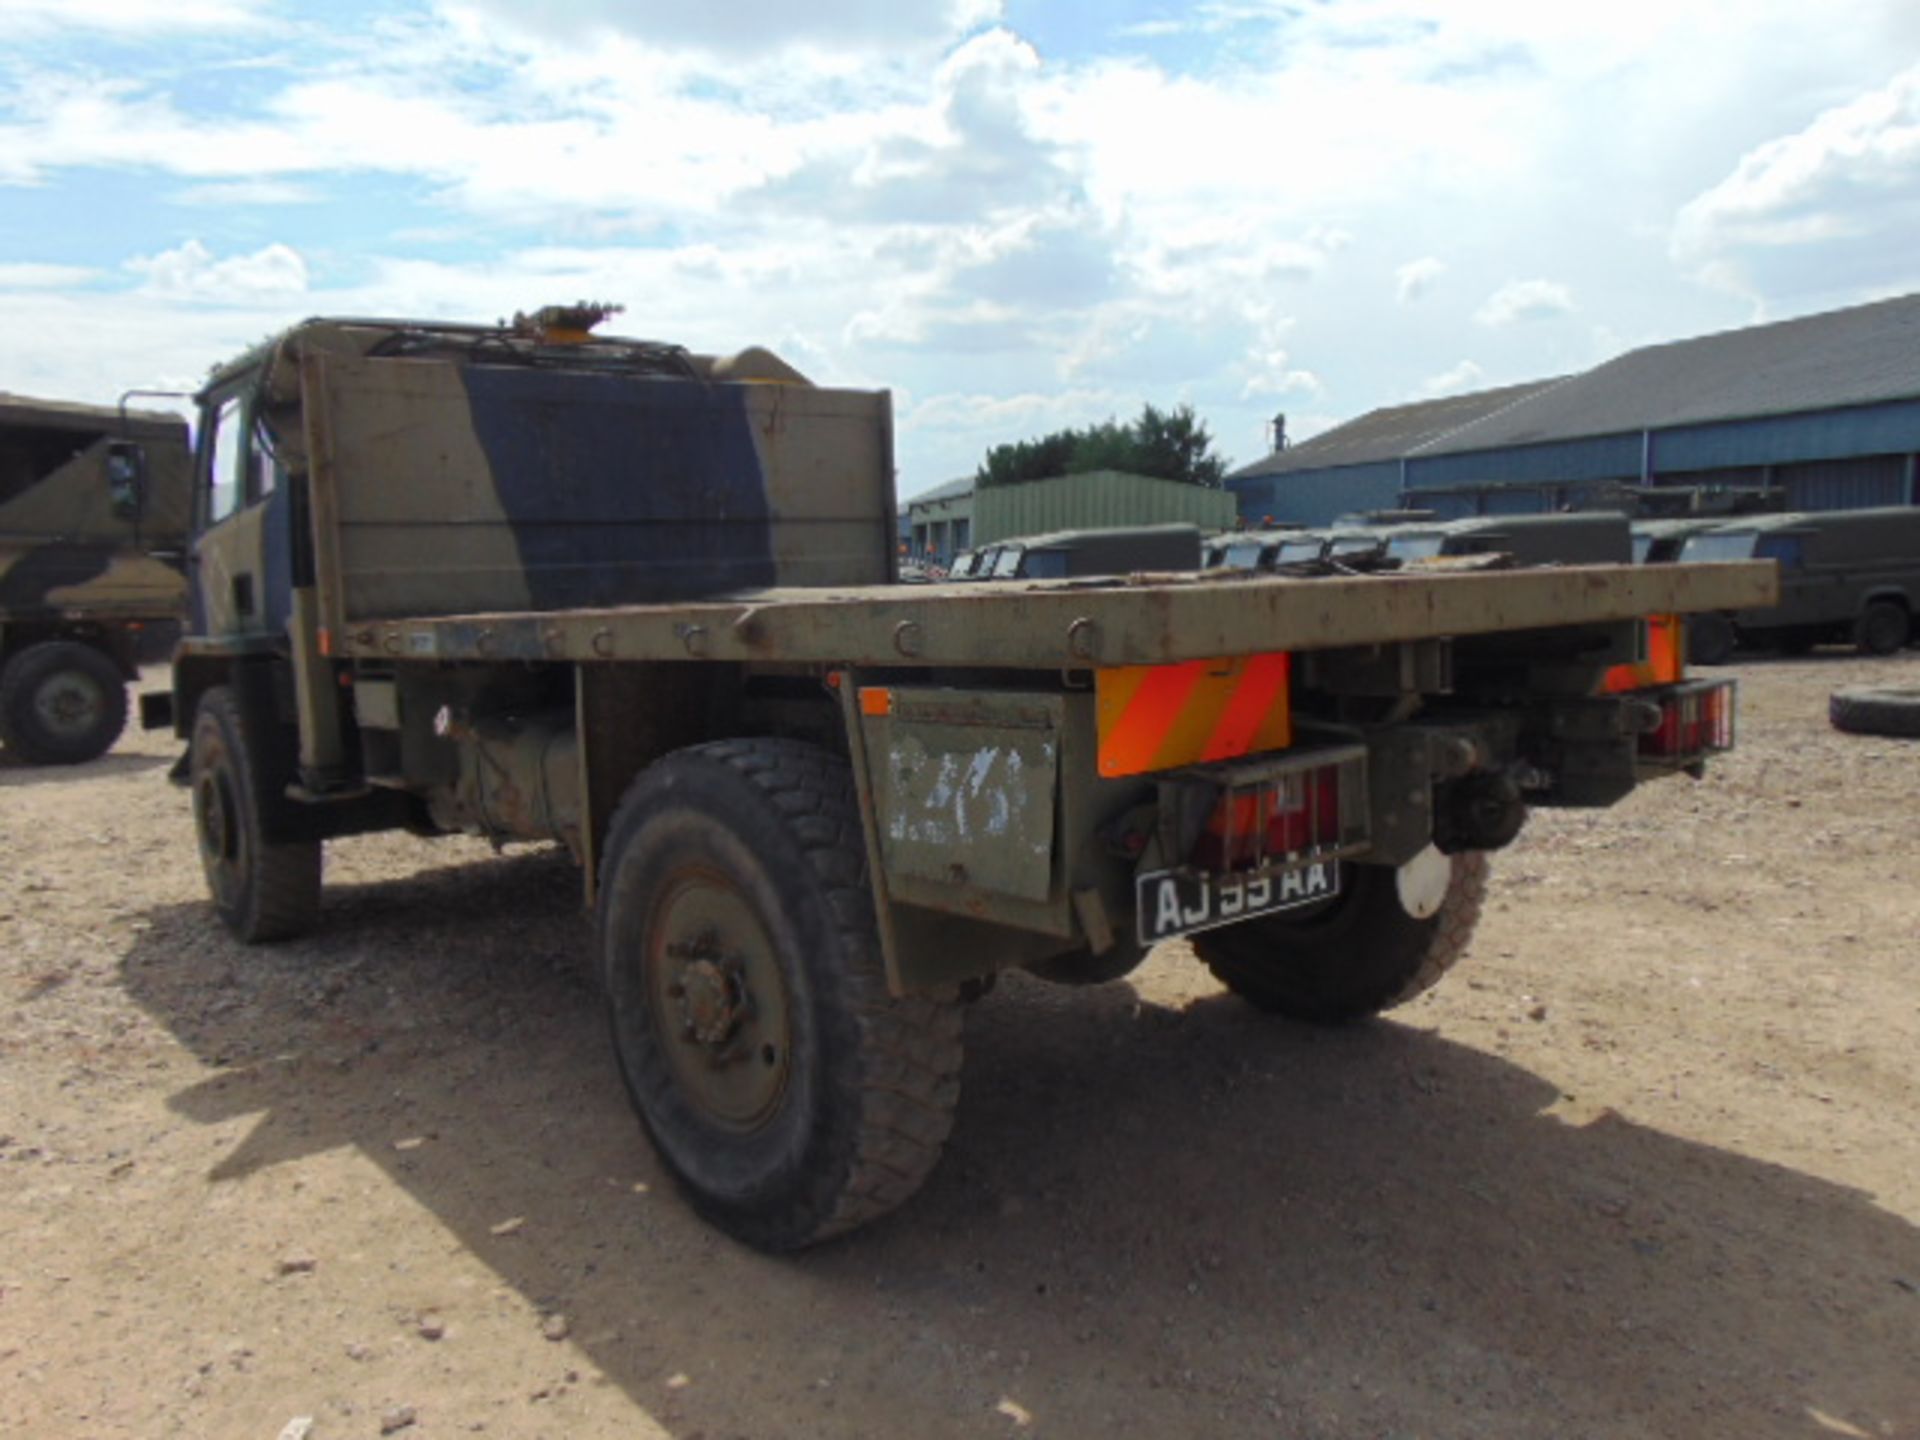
1141, 620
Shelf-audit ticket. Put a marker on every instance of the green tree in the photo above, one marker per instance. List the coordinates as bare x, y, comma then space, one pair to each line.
1165, 444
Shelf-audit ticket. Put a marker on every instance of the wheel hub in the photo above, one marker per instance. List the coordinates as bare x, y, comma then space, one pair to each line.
719, 1002
67, 704
712, 993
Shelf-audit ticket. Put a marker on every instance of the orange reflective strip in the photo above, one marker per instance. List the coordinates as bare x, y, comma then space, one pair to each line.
876, 701
1263, 680
1665, 663
1158, 717
1664, 648
1134, 742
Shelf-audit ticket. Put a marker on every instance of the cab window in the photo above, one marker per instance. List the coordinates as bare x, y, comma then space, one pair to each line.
1045, 565
226, 483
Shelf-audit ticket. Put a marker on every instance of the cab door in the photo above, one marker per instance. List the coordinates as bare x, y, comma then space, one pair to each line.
240, 558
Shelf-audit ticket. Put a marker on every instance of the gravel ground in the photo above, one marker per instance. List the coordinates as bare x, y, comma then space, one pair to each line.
1646, 1165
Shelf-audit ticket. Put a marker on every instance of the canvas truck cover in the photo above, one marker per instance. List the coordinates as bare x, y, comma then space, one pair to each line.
455, 472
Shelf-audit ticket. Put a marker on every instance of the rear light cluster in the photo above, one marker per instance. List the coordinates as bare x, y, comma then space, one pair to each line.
1695, 720
1306, 813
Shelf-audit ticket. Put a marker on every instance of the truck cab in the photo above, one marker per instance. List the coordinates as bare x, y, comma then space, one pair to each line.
93, 520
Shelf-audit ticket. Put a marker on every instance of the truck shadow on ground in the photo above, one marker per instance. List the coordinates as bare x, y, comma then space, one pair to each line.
1149, 1220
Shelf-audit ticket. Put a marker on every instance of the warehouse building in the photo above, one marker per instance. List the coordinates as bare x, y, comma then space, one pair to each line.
949, 518
1824, 412
937, 524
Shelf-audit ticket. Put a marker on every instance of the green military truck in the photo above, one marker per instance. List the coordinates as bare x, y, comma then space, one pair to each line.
93, 520
534, 584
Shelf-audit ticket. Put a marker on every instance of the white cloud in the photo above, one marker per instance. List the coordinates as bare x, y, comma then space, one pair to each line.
191, 272
1839, 197
31, 276
1457, 381
233, 194
36, 18
740, 27
1524, 300
1414, 279
916, 196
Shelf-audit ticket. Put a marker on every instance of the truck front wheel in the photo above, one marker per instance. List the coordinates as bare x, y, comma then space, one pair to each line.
788, 1092
1881, 629
1389, 935
262, 888
61, 703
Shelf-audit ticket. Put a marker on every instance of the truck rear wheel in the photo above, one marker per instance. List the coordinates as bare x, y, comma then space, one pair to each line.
61, 703
262, 888
788, 1092
1390, 934
1881, 628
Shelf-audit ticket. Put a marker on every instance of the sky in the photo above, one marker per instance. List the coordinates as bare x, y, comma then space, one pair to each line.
1015, 215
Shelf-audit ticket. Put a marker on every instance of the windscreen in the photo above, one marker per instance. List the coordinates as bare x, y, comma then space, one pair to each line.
1353, 545
1415, 547
1719, 545
1045, 565
1007, 563
1292, 552
1641, 545
1243, 555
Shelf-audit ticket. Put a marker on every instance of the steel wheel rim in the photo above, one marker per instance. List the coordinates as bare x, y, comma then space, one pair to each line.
216, 812
69, 704
717, 999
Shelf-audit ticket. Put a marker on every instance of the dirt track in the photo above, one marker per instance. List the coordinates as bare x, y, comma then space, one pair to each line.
1646, 1165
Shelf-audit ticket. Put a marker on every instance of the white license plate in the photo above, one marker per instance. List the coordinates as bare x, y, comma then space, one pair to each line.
1171, 903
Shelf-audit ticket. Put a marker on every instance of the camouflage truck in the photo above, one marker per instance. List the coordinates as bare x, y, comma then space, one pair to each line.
93, 520
533, 584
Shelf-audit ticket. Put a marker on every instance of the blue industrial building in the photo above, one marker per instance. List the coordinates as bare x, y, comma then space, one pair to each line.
1824, 410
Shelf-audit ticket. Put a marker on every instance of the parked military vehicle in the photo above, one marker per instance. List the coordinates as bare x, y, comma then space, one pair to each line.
93, 520
1845, 575
537, 585
1659, 542
1586, 538
1119, 550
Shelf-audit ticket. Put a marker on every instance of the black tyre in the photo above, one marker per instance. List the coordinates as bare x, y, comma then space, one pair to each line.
61, 703
1710, 639
1881, 628
1389, 935
263, 888
1875, 710
789, 1093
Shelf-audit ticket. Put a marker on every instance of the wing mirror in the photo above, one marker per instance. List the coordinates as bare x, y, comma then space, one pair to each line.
126, 479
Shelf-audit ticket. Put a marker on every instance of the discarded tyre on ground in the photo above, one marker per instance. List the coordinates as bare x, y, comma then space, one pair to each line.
1875, 710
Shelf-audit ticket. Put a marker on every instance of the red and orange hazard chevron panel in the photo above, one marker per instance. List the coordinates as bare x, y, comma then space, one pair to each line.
1157, 717
1666, 661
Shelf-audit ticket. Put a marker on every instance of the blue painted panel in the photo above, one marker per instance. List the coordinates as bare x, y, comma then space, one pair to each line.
1602, 457
1315, 497
1780, 439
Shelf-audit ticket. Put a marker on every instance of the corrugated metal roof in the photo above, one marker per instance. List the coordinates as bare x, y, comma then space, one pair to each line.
952, 489
1389, 433
1865, 355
